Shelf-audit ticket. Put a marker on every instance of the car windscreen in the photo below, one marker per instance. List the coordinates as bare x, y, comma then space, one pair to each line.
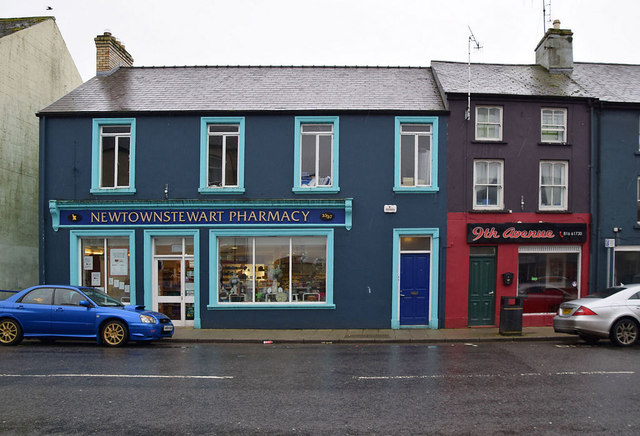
604, 293
100, 298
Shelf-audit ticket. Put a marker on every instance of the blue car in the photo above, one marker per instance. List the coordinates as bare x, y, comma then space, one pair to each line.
52, 311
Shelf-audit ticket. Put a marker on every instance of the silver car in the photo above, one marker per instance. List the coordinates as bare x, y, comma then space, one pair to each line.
613, 313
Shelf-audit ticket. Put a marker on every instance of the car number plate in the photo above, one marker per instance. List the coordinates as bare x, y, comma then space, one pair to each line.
167, 328
566, 310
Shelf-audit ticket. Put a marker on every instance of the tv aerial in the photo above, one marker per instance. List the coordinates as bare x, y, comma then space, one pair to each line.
476, 45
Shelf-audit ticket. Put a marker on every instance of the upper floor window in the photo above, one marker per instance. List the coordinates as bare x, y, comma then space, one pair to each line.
488, 184
113, 159
416, 154
222, 155
553, 125
553, 185
316, 154
489, 123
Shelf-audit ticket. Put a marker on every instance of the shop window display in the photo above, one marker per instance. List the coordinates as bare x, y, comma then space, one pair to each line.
105, 265
547, 279
274, 269
627, 266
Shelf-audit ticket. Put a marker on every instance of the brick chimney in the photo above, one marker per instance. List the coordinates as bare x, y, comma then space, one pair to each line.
110, 53
555, 50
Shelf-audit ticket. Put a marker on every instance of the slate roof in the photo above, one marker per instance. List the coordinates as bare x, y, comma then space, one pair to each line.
501, 79
617, 83
13, 25
223, 88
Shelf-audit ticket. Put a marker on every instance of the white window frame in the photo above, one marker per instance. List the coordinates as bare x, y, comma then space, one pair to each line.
205, 188
638, 202
553, 128
500, 185
233, 131
564, 187
97, 155
499, 124
300, 123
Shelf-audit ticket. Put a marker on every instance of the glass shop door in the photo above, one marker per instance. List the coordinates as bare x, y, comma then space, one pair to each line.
174, 279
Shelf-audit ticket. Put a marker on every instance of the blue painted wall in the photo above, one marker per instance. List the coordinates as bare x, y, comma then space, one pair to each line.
617, 184
167, 152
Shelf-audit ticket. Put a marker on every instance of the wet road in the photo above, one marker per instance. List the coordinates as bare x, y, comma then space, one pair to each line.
492, 388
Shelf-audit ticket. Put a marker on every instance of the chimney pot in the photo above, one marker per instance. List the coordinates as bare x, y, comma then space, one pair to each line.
556, 24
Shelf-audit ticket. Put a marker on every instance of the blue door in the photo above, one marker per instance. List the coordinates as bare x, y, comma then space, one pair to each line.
414, 289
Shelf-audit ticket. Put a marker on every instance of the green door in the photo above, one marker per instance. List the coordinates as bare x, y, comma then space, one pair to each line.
482, 286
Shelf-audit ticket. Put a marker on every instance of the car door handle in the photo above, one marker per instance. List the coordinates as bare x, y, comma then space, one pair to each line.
20, 307
59, 309
492, 292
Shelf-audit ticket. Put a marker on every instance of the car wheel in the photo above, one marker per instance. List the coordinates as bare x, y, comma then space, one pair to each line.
10, 332
114, 334
624, 332
591, 340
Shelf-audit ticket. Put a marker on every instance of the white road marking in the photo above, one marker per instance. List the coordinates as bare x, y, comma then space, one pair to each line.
213, 377
532, 374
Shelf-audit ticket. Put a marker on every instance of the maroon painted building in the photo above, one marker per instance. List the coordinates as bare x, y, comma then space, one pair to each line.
518, 179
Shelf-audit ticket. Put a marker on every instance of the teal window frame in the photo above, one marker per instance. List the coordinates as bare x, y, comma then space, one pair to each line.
96, 157
148, 266
204, 155
298, 188
214, 234
397, 186
434, 234
75, 257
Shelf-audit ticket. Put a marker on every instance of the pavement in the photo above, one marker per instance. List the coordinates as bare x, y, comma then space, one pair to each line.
364, 336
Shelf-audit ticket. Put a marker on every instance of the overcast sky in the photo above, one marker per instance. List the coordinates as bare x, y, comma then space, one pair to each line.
335, 32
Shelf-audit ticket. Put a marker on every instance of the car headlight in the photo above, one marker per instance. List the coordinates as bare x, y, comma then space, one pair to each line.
147, 319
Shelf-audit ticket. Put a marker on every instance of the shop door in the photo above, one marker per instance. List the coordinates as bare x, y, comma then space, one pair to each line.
414, 288
482, 288
174, 292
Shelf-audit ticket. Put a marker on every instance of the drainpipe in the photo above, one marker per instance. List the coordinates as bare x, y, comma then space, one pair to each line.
42, 201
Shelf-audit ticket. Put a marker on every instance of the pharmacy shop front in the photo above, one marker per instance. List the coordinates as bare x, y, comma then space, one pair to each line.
249, 264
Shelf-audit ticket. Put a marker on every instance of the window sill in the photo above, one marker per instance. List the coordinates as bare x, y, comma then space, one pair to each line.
415, 189
554, 211
555, 144
490, 211
317, 190
270, 306
214, 191
127, 191
489, 141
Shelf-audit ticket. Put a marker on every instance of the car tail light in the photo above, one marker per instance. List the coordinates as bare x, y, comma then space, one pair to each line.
583, 311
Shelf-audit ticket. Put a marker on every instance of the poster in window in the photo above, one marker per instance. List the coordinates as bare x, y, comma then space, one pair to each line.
118, 263
95, 279
87, 263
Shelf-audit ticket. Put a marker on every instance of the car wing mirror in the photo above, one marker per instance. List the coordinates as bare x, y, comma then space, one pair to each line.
85, 303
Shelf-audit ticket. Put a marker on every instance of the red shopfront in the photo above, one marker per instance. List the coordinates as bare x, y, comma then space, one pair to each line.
543, 258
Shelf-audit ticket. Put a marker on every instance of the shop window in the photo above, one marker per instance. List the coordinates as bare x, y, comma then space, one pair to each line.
316, 155
627, 265
553, 125
105, 265
548, 276
487, 184
278, 269
113, 160
416, 154
488, 123
221, 155
553, 185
